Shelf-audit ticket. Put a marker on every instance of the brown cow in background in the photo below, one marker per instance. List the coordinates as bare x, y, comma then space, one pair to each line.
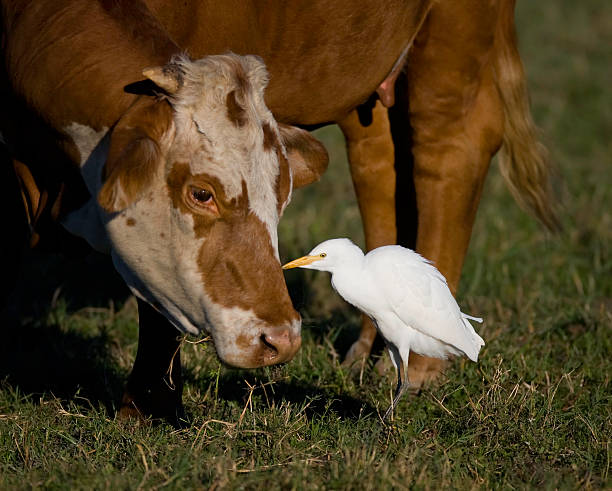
451, 68
460, 96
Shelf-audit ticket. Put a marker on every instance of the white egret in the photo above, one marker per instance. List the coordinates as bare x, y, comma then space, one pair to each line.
406, 297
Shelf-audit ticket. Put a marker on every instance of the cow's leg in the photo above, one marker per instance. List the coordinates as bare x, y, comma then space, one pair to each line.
446, 125
456, 125
371, 158
155, 386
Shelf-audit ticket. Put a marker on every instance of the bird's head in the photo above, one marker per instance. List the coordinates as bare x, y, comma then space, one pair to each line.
328, 255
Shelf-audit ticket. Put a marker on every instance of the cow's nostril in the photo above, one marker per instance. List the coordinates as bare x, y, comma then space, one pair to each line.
279, 345
272, 351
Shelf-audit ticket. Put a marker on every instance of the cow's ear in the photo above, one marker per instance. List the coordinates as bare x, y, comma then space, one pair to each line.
137, 145
307, 155
168, 77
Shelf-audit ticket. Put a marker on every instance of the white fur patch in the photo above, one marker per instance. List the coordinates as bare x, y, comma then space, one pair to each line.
85, 223
84, 138
93, 149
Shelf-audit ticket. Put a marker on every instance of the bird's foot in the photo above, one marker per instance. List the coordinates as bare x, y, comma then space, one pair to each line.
388, 412
401, 389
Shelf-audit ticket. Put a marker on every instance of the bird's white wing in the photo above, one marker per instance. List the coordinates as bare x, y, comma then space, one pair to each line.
418, 295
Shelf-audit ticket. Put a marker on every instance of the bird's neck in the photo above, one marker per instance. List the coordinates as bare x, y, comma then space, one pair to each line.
348, 279
351, 265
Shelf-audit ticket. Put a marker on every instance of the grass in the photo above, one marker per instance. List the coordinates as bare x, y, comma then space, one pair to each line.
534, 412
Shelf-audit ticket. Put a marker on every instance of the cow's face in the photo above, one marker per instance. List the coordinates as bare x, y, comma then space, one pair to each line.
194, 187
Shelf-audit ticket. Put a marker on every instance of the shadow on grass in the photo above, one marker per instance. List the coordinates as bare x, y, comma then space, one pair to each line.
312, 400
37, 354
39, 360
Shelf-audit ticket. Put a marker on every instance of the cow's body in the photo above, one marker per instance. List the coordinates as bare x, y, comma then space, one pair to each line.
324, 60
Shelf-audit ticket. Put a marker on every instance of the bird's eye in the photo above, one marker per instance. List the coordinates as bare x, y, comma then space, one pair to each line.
322, 255
200, 195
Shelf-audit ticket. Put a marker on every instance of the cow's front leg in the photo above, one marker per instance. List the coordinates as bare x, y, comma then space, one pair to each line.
155, 386
371, 158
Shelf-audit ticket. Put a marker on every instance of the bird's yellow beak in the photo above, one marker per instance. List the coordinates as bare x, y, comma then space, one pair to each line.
301, 261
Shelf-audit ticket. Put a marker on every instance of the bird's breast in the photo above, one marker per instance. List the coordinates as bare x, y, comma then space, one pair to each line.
359, 291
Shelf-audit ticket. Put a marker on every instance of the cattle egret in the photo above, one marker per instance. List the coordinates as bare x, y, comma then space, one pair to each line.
406, 297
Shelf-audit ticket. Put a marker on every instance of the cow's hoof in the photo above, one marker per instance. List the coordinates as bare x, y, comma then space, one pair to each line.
423, 370
357, 355
145, 413
384, 366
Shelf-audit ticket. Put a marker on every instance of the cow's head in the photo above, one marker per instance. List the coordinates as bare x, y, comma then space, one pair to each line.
193, 188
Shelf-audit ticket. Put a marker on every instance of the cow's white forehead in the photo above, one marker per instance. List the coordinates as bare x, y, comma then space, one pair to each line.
214, 144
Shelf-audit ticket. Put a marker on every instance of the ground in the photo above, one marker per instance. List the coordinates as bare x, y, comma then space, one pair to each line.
534, 412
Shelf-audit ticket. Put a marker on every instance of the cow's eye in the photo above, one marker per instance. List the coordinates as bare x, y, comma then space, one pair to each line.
200, 195
201, 200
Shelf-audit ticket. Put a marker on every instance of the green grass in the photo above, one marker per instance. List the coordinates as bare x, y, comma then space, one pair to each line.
534, 412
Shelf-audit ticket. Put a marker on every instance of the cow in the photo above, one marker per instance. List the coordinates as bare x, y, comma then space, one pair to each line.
425, 92
449, 72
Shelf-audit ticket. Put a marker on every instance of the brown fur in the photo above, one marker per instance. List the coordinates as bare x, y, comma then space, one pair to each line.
235, 112
270, 139
325, 45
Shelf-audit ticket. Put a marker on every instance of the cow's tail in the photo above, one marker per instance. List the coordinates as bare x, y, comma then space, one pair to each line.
523, 159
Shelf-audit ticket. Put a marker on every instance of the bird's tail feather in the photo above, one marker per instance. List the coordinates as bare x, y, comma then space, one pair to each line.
477, 319
477, 341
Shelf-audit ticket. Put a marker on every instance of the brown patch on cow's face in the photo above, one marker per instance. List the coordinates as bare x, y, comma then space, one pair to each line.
245, 273
271, 143
283, 182
270, 140
178, 181
241, 78
130, 222
243, 341
235, 112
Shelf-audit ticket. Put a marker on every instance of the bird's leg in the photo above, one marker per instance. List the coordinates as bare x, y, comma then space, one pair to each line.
402, 377
402, 387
